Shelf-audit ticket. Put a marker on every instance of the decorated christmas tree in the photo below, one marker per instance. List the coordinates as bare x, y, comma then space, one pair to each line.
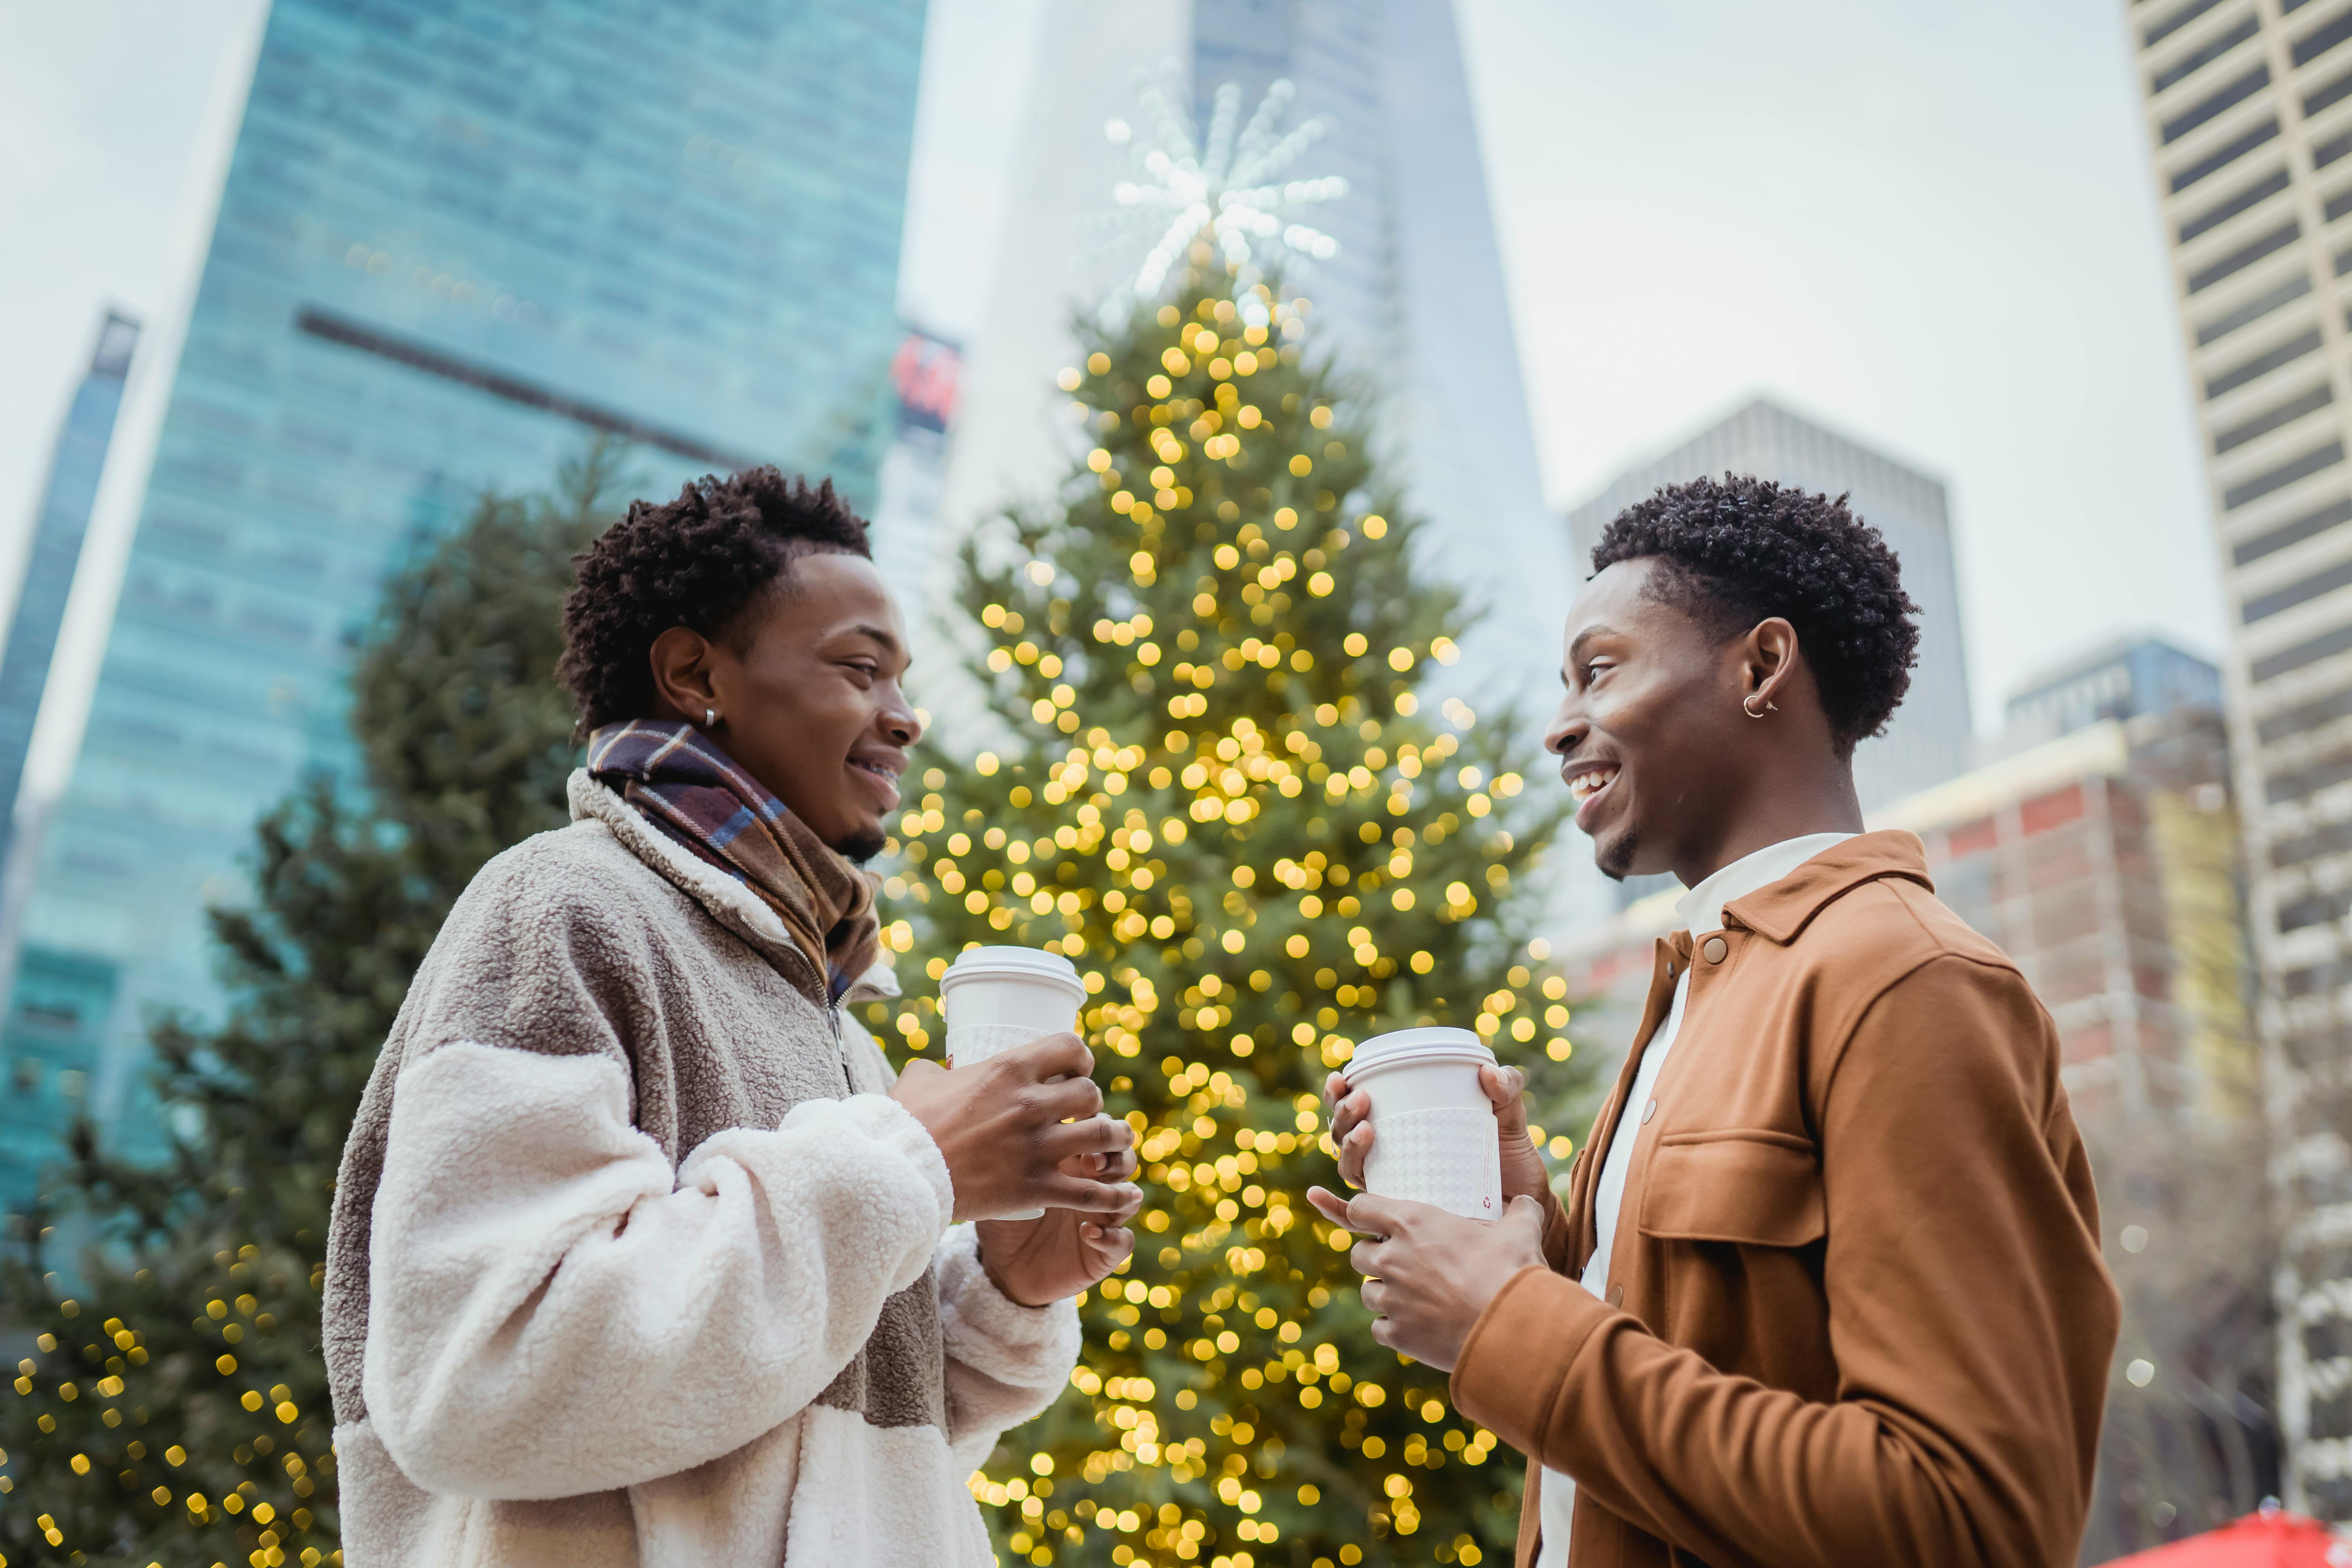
1223, 795
174, 1407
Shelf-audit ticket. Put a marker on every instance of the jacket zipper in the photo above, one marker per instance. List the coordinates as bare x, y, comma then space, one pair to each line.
833, 1012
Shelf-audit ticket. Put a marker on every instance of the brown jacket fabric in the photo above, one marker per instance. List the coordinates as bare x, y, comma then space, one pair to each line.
1857, 1314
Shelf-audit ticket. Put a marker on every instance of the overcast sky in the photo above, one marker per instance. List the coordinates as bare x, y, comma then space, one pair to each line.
1928, 223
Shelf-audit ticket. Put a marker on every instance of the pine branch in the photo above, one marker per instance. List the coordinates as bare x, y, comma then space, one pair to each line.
176, 1410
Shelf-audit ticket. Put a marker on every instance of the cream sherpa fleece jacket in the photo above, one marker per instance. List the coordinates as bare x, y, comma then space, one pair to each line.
634, 1263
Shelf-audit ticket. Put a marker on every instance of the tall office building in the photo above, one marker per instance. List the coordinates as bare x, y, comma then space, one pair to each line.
36, 1091
1932, 738
458, 240
55, 551
1414, 298
2249, 112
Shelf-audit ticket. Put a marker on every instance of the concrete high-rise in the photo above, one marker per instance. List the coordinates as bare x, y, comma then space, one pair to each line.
1932, 737
1413, 299
457, 240
2249, 117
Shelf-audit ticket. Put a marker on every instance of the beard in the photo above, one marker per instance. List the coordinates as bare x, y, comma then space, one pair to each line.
862, 845
1616, 856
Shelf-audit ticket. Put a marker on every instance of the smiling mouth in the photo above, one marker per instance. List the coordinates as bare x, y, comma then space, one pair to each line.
882, 774
1586, 783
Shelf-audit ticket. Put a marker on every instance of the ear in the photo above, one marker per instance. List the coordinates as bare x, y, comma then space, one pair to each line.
684, 680
1769, 656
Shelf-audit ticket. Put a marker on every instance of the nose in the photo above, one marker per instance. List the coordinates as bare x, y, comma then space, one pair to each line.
898, 719
1568, 727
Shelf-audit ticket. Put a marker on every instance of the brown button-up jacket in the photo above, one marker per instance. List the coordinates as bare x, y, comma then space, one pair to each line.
1863, 1321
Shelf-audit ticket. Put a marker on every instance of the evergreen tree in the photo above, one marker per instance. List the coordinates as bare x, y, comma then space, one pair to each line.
1224, 800
176, 1410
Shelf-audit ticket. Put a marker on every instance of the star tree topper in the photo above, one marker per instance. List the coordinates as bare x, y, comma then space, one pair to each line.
1231, 189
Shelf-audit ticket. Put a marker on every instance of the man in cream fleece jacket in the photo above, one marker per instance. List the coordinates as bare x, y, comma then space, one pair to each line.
641, 1255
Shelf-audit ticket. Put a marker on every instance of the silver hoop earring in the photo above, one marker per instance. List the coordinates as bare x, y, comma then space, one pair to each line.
710, 717
1752, 713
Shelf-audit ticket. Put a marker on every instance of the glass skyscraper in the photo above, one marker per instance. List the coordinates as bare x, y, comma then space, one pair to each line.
458, 239
58, 533
1415, 295
1414, 301
48, 1068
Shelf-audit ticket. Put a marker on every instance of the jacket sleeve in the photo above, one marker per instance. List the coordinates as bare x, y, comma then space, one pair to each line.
1007, 1362
555, 1311
1969, 1312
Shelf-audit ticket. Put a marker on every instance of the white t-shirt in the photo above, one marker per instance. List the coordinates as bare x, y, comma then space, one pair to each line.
1697, 911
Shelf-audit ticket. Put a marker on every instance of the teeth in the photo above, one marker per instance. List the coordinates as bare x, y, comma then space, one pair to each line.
1584, 786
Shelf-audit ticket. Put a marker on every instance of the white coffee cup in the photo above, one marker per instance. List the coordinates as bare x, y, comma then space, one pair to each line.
999, 997
1434, 1139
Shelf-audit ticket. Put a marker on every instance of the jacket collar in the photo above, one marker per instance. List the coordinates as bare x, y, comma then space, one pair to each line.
1780, 909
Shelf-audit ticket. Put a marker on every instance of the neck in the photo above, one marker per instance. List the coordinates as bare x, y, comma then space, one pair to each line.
1777, 805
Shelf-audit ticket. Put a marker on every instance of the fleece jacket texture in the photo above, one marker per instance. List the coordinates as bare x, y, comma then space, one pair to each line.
634, 1263
1856, 1310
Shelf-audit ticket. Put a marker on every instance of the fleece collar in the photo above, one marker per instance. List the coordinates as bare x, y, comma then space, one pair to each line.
728, 901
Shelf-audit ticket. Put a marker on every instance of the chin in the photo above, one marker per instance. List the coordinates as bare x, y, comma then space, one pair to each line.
1615, 854
862, 844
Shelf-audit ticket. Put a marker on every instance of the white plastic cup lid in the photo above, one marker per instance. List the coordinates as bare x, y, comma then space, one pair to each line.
1413, 1047
1014, 964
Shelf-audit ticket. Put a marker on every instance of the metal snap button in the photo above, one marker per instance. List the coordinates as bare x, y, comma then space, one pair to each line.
1715, 949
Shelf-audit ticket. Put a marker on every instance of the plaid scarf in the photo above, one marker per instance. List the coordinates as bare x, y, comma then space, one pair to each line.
695, 794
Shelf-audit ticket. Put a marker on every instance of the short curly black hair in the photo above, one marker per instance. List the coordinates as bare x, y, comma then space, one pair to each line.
1742, 550
695, 561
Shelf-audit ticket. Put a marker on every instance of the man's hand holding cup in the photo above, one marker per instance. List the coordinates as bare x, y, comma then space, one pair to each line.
1523, 1169
1008, 1004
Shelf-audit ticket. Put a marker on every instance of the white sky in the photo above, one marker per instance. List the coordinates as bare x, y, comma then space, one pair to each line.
1929, 223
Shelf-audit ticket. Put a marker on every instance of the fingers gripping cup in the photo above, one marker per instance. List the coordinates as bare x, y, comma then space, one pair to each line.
1434, 1139
999, 997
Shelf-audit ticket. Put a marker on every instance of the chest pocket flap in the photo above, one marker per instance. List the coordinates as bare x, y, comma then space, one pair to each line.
1758, 1187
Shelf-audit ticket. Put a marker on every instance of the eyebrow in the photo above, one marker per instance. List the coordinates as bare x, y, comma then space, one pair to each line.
1586, 634
882, 635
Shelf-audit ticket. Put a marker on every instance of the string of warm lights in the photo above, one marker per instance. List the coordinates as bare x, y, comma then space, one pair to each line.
249, 1491
1224, 803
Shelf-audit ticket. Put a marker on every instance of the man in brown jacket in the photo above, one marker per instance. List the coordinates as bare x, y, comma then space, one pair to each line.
1827, 1287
